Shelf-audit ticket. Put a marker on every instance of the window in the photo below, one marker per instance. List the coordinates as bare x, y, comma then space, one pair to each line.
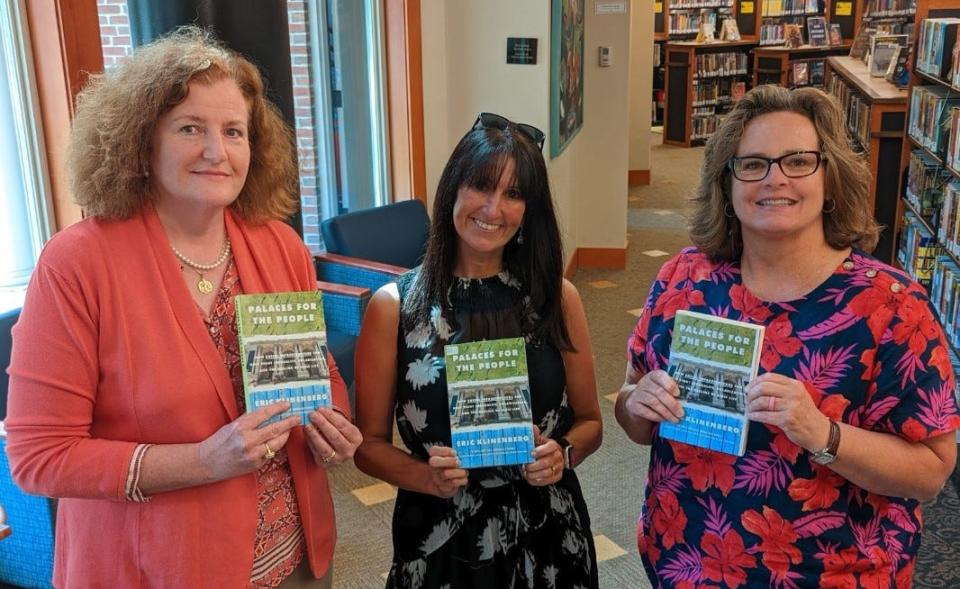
25, 205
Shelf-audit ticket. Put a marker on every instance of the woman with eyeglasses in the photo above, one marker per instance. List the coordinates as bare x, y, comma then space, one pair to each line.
853, 411
493, 269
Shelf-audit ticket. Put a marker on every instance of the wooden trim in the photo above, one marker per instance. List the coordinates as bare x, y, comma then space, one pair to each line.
65, 39
360, 263
571, 266
596, 257
405, 99
638, 177
602, 257
343, 289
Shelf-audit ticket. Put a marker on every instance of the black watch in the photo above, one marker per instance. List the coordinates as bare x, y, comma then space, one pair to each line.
567, 448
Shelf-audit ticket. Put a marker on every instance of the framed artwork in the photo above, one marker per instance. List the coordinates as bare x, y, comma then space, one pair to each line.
566, 73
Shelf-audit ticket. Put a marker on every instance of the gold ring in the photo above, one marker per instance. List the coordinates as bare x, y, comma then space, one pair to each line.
553, 469
270, 453
327, 459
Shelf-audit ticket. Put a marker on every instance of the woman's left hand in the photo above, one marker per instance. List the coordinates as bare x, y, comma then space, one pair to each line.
781, 401
331, 437
547, 467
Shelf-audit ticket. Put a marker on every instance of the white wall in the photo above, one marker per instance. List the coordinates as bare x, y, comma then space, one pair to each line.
465, 72
641, 83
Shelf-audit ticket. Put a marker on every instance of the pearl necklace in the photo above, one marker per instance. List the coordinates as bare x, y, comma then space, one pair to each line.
204, 285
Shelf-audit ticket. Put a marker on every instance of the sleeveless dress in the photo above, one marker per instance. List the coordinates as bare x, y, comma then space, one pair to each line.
498, 531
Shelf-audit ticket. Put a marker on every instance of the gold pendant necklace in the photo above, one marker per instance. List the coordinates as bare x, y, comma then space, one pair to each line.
204, 286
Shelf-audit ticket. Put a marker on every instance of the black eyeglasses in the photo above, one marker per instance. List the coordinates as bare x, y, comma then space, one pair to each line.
793, 165
489, 120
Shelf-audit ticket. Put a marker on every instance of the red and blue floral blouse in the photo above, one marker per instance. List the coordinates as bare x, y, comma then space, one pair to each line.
868, 348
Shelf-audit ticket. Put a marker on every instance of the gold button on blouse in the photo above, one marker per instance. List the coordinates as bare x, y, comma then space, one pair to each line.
896, 287
871, 273
848, 265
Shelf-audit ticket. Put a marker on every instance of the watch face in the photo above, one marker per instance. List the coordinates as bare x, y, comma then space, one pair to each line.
822, 458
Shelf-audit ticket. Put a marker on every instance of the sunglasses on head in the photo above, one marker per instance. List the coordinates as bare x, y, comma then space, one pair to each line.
489, 120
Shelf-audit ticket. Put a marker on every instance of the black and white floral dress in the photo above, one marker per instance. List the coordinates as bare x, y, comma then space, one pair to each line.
498, 531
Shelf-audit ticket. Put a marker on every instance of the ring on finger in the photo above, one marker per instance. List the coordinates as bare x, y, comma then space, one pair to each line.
270, 453
327, 459
772, 404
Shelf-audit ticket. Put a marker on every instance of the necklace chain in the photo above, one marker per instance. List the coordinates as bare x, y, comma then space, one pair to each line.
204, 267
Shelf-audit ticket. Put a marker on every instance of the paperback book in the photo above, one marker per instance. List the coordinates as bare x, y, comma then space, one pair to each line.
488, 394
283, 351
712, 359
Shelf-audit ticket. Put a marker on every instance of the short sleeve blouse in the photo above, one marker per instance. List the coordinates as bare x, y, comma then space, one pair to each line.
868, 348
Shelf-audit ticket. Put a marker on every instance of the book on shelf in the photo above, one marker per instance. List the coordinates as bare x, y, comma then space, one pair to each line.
836, 35
488, 394
729, 31
283, 351
926, 180
817, 31
738, 90
882, 56
801, 73
899, 72
931, 116
817, 72
861, 43
918, 250
712, 359
793, 35
936, 45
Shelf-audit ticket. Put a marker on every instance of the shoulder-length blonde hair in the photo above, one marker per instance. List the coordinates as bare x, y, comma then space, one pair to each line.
846, 174
111, 143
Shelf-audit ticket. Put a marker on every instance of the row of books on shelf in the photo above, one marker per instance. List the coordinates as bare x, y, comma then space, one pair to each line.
712, 65
926, 182
856, 109
683, 23
790, 34
938, 53
918, 250
944, 293
932, 119
809, 72
717, 91
704, 126
890, 8
675, 4
948, 220
789, 7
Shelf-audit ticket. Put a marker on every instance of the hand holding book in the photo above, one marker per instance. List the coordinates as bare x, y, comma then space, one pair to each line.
331, 437
547, 467
783, 402
656, 398
446, 476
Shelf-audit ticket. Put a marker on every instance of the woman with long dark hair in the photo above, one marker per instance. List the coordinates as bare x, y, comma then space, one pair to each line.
493, 269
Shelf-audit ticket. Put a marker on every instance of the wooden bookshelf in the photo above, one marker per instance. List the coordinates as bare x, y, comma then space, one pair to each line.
924, 9
681, 72
772, 65
885, 124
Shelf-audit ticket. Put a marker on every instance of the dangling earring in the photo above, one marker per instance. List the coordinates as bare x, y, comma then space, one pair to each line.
833, 202
728, 210
520, 236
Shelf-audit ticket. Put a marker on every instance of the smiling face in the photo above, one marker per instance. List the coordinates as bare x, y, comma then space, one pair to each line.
201, 152
778, 207
485, 222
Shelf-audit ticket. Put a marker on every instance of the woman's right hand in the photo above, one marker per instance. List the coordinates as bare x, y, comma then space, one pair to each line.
240, 447
656, 398
446, 476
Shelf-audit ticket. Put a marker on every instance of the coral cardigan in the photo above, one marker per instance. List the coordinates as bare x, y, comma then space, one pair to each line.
110, 351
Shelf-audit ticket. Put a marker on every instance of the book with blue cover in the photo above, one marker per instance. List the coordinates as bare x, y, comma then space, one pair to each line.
712, 359
283, 351
488, 393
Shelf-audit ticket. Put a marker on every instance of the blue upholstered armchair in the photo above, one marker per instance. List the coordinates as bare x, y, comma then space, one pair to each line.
365, 250
26, 553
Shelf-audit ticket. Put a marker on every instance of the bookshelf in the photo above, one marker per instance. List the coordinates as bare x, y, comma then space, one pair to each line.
928, 223
701, 81
876, 117
776, 65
